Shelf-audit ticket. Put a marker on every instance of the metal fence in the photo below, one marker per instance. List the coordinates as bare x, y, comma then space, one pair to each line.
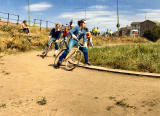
8, 18
41, 22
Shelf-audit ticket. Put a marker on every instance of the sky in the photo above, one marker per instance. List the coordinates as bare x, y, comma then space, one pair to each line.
99, 13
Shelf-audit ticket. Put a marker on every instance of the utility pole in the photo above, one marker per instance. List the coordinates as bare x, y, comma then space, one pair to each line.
85, 8
145, 17
29, 18
118, 25
85, 13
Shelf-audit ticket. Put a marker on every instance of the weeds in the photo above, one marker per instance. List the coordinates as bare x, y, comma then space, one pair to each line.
43, 101
124, 105
102, 40
140, 57
3, 106
12, 40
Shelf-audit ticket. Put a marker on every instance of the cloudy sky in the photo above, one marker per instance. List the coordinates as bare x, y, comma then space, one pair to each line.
99, 13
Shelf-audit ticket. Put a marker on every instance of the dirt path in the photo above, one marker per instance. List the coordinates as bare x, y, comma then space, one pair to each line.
26, 81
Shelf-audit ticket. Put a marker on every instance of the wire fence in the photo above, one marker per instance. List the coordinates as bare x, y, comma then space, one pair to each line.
14, 19
8, 18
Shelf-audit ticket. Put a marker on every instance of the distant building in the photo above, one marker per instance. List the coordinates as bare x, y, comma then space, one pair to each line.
125, 31
138, 28
135, 28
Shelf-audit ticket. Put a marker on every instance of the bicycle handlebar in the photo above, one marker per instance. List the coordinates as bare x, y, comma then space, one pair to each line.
79, 44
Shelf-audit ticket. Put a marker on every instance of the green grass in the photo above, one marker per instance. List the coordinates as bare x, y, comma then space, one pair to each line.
140, 57
3, 106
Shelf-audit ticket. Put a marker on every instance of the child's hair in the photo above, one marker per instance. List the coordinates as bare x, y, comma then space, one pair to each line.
81, 21
58, 24
24, 21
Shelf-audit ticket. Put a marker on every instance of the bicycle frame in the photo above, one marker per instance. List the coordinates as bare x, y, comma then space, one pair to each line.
75, 50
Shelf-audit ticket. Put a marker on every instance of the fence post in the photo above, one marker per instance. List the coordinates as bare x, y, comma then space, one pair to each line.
18, 19
40, 24
8, 19
34, 21
46, 25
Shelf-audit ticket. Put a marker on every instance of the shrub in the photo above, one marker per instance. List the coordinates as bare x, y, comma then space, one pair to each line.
153, 35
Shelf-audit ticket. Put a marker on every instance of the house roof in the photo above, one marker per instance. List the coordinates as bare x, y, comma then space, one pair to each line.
156, 22
126, 28
135, 23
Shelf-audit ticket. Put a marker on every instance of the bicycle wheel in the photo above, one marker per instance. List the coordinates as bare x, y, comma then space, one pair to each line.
62, 45
73, 60
57, 57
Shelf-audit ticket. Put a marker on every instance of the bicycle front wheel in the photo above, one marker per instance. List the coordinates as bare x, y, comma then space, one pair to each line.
73, 60
58, 56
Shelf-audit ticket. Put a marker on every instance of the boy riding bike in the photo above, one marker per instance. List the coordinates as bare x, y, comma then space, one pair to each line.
54, 37
76, 34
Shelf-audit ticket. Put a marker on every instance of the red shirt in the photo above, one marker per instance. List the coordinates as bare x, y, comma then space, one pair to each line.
65, 33
88, 34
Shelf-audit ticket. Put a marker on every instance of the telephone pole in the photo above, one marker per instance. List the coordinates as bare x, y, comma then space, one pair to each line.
118, 25
29, 18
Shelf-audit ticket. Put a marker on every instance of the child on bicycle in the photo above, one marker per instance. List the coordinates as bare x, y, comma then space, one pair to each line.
53, 38
76, 34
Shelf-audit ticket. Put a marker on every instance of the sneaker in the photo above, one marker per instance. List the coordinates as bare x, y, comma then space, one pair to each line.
44, 55
87, 63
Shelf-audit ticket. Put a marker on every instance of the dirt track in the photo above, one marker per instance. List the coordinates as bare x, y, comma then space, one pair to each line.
26, 78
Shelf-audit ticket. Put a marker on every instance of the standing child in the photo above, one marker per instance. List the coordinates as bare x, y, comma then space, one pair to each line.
65, 35
89, 37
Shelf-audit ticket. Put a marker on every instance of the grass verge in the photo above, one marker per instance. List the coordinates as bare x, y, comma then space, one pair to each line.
139, 57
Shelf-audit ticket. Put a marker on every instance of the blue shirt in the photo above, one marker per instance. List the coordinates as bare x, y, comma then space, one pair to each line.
55, 34
79, 33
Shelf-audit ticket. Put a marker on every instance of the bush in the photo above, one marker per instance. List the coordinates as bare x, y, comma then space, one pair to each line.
153, 35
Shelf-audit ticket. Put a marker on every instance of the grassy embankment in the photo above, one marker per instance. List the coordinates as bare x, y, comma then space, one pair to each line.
12, 40
139, 57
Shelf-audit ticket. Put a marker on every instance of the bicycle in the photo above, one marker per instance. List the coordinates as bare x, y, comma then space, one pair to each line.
62, 44
49, 48
72, 60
